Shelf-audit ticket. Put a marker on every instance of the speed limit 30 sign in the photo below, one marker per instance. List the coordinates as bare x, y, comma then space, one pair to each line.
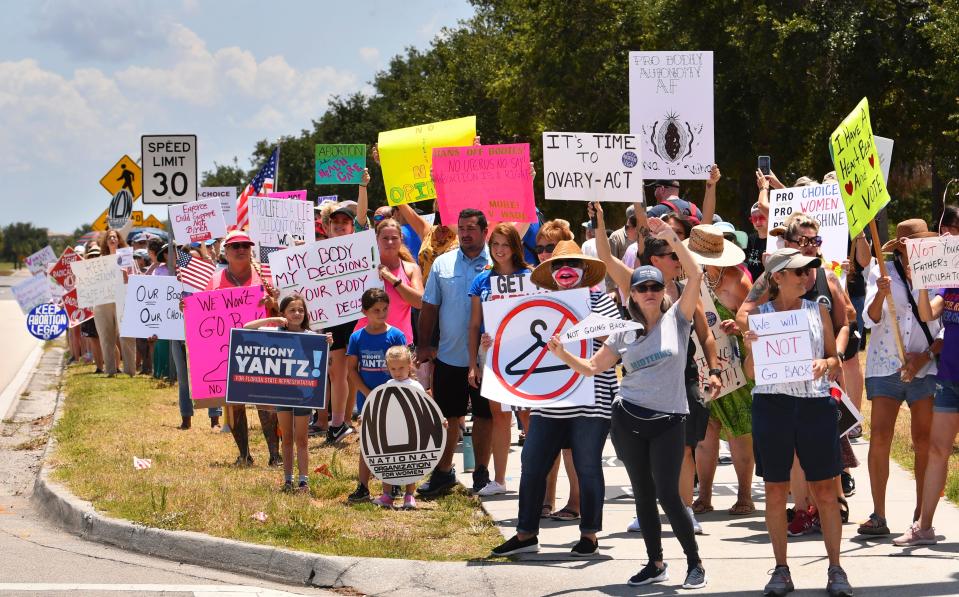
169, 168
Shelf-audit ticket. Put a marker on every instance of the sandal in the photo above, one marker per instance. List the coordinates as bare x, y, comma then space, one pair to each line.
701, 507
875, 525
843, 509
565, 515
546, 511
742, 509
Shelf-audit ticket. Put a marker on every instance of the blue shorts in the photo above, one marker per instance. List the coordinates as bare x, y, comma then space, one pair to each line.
892, 386
297, 412
786, 425
947, 397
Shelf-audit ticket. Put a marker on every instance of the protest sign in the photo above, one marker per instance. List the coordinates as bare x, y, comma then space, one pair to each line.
47, 321
853, 150
327, 199
592, 167
494, 179
277, 223
340, 164
277, 368
209, 317
37, 262
169, 168
884, 149
75, 313
402, 434
125, 174
197, 221
96, 280
33, 291
124, 258
331, 275
934, 261
512, 285
298, 195
821, 202
727, 351
227, 198
671, 111
152, 308
406, 156
783, 352
849, 415
519, 370
61, 271
598, 326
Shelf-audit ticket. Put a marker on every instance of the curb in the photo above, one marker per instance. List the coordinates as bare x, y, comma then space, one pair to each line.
371, 576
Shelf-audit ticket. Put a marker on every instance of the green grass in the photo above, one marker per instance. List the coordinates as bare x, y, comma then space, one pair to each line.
6, 268
193, 485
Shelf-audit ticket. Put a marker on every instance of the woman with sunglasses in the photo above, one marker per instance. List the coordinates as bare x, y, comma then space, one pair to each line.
793, 419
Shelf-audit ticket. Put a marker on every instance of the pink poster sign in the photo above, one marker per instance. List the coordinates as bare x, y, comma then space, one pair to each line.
493, 178
209, 317
301, 195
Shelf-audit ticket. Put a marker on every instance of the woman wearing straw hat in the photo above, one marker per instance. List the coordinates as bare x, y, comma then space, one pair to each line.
581, 428
889, 380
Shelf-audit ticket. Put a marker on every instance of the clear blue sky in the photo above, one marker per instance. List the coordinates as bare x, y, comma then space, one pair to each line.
81, 80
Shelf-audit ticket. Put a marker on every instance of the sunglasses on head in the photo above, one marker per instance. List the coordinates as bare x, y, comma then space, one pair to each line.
651, 287
672, 255
803, 241
378, 217
540, 249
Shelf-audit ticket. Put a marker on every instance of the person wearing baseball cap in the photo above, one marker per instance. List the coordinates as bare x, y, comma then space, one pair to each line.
756, 240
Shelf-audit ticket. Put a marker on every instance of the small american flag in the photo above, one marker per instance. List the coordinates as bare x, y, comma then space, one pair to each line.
265, 273
193, 271
261, 185
141, 463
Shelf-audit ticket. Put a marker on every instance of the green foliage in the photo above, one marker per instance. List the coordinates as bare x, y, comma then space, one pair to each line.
20, 239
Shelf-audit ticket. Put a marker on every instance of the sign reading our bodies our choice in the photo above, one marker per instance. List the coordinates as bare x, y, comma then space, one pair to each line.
197, 221
671, 111
277, 368
153, 308
592, 167
934, 261
331, 275
783, 352
856, 158
169, 168
495, 179
821, 202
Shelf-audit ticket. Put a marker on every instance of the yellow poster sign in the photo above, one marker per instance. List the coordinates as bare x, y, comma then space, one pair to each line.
861, 183
406, 156
125, 174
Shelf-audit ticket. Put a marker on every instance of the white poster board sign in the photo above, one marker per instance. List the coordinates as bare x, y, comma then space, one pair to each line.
671, 111
598, 326
821, 202
197, 221
592, 167
727, 351
96, 281
152, 308
227, 198
39, 261
33, 291
279, 223
934, 261
331, 275
519, 370
884, 148
169, 168
512, 285
783, 352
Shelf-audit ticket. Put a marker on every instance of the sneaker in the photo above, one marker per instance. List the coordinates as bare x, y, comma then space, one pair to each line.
584, 548
480, 478
634, 526
648, 575
275, 460
384, 501
287, 487
780, 582
515, 546
303, 487
848, 485
697, 528
409, 502
838, 585
335, 434
695, 578
916, 536
492, 488
315, 430
439, 483
802, 523
362, 494
855, 433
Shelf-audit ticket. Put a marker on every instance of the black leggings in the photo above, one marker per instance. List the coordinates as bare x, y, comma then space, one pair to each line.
652, 449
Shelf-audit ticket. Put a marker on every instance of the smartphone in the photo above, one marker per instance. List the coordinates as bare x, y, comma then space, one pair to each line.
764, 164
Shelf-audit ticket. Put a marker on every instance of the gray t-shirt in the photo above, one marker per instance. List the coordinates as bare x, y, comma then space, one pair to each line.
654, 364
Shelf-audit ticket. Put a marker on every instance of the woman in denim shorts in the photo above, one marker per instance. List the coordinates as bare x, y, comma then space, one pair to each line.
889, 381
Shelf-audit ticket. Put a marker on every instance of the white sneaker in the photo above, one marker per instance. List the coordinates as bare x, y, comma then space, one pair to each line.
633, 526
697, 528
491, 488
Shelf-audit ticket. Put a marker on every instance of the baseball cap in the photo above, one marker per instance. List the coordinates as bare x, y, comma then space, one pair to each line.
787, 258
754, 209
646, 273
141, 253
663, 183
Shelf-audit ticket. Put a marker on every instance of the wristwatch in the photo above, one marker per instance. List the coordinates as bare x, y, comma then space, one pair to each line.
717, 372
930, 354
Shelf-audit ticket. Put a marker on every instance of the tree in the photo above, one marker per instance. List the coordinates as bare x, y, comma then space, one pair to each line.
20, 239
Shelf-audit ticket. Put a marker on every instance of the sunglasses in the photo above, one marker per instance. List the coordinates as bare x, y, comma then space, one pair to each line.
758, 218
801, 271
240, 246
379, 217
672, 255
644, 288
804, 241
540, 249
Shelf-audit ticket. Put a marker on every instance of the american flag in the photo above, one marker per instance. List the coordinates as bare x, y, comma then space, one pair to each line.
265, 273
261, 185
193, 271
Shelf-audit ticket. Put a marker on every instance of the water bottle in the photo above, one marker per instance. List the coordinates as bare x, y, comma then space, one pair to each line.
469, 459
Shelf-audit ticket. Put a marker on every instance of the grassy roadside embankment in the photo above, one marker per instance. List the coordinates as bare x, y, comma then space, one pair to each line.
193, 484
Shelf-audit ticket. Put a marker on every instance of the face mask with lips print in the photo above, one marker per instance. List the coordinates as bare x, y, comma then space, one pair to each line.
568, 277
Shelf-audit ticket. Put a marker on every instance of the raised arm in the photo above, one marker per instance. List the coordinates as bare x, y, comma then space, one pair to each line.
618, 271
266, 321
362, 200
601, 361
763, 183
694, 273
709, 198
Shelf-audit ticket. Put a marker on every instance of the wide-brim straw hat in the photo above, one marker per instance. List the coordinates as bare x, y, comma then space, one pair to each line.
594, 270
914, 228
709, 247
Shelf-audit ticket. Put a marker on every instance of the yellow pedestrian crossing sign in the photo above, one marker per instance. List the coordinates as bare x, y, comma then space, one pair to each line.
125, 174
152, 222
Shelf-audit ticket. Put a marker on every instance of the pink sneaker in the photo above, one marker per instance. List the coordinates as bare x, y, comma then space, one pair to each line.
409, 502
916, 536
803, 523
384, 501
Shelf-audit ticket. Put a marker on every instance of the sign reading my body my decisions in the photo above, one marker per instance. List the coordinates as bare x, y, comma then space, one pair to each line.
169, 168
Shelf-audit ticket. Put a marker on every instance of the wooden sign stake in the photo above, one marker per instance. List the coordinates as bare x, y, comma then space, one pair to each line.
877, 250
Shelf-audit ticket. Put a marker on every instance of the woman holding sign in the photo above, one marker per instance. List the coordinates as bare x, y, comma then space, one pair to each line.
797, 418
107, 320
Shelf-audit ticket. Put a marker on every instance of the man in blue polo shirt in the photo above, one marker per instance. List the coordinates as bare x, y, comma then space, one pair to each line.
447, 301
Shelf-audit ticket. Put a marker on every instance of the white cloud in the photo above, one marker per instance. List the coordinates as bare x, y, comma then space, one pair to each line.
109, 30
370, 56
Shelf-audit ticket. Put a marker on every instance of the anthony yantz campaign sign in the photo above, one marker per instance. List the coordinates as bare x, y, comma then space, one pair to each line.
277, 368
